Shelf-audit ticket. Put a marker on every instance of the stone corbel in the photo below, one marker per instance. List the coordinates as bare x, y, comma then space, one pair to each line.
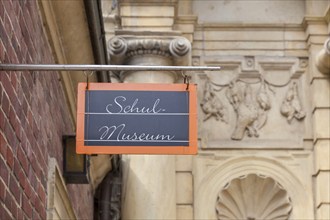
323, 58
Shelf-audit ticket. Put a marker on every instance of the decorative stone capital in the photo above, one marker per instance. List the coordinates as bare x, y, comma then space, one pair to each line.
323, 58
152, 49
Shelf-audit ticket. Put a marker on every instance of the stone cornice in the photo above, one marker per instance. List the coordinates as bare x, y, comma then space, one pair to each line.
309, 20
240, 26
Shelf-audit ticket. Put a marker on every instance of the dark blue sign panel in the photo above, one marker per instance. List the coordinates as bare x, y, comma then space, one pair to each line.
136, 118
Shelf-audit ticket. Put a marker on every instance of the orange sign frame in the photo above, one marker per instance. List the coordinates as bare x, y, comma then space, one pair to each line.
179, 150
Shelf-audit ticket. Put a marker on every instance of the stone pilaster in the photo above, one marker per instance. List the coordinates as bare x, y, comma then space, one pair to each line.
317, 33
149, 190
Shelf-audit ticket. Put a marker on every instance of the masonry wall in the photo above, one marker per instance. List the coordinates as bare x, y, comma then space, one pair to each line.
33, 117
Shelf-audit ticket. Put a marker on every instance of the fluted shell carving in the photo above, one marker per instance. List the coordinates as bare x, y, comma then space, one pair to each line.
180, 46
253, 197
117, 46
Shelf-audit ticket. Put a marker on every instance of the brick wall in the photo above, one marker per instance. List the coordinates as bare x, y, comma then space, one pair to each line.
33, 118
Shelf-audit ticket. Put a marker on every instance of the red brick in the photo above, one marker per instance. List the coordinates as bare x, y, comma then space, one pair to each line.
25, 106
5, 104
14, 210
2, 119
41, 193
17, 168
11, 137
4, 214
2, 49
7, 24
32, 178
1, 88
23, 160
13, 78
2, 11
4, 174
9, 200
33, 198
19, 214
3, 33
16, 6
12, 54
26, 88
14, 123
35, 166
10, 158
22, 179
27, 208
35, 215
28, 190
38, 205
15, 189
20, 96
2, 191
3, 145
43, 214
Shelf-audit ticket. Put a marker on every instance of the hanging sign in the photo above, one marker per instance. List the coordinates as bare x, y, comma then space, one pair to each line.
122, 118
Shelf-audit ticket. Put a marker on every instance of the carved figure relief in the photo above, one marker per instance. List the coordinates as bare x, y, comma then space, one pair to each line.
251, 104
291, 105
253, 197
212, 105
251, 109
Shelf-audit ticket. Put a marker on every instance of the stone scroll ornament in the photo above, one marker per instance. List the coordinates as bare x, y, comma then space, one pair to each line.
120, 48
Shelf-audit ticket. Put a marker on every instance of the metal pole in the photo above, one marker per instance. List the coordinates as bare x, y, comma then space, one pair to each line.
83, 67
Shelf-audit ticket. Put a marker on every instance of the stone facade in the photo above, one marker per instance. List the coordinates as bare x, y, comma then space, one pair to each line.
263, 119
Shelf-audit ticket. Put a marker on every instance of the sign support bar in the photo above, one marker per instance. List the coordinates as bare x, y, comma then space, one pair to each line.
84, 67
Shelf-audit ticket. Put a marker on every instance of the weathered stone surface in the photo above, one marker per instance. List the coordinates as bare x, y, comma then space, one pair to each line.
184, 212
184, 188
321, 154
268, 52
184, 162
322, 180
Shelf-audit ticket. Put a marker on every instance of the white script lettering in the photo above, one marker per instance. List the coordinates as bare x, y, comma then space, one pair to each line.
119, 134
121, 107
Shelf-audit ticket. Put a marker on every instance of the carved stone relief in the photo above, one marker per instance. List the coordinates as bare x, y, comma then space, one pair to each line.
212, 105
246, 98
291, 105
251, 106
253, 197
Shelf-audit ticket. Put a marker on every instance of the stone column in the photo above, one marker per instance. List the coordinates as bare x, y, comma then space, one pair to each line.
149, 180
